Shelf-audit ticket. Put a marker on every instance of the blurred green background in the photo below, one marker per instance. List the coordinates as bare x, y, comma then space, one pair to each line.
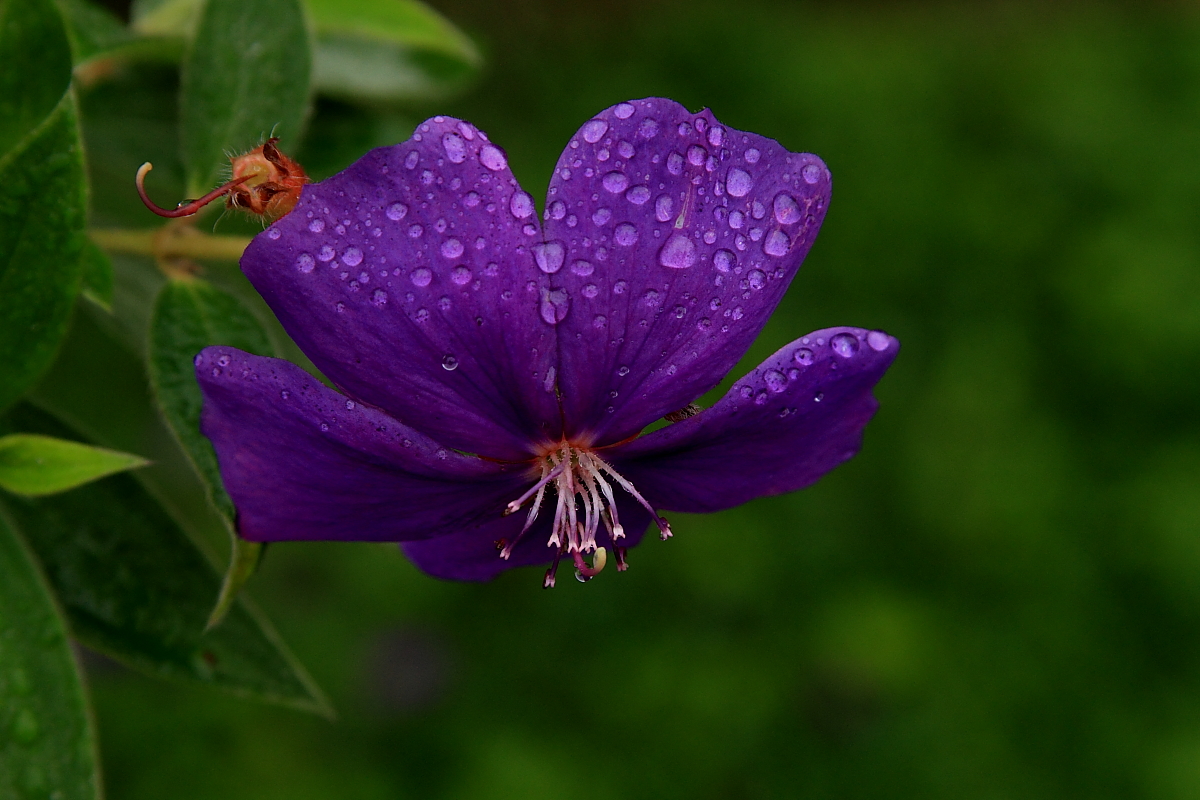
999, 598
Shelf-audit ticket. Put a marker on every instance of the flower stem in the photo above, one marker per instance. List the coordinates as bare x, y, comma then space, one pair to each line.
170, 241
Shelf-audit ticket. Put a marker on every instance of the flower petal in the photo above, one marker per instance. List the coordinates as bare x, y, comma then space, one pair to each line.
409, 280
472, 555
797, 416
301, 461
680, 236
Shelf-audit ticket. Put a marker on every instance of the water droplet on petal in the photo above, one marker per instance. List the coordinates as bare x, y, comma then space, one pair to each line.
638, 194
662, 207
775, 380
738, 183
593, 130
285, 394
317, 225
557, 210
715, 135
352, 257
811, 173
456, 148
756, 278
777, 244
625, 234
554, 306
410, 161
415, 231
803, 356
305, 262
549, 256
625, 150
521, 205
623, 111
844, 344
396, 211
879, 341
752, 155
582, 268
379, 298
452, 248
273, 233
648, 128
675, 163
679, 252
449, 363
615, 182
623, 371
602, 216
460, 275
787, 210
421, 277
492, 157
724, 260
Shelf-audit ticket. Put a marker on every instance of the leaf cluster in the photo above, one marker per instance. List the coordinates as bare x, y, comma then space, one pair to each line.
111, 501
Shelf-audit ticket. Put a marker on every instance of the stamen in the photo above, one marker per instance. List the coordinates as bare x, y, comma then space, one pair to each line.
191, 206
584, 499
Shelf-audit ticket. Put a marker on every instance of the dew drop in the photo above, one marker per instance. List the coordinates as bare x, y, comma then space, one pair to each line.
549, 256
379, 298
724, 260
557, 210
811, 173
410, 161
449, 363
844, 344
752, 155
421, 277
415, 231
638, 194
456, 148
756, 278
662, 207
452, 248
758, 210
593, 130
648, 129
273, 233
285, 394
679, 252
787, 210
651, 298
738, 183
492, 157
582, 268
715, 135
623, 371
305, 263
460, 275
352, 257
775, 380
619, 287
602, 216
625, 150
803, 356
316, 225
777, 244
521, 205
696, 155
590, 291
675, 163
554, 306
615, 182
600, 321
879, 341
625, 234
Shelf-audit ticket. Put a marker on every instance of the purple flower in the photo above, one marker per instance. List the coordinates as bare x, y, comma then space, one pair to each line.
495, 371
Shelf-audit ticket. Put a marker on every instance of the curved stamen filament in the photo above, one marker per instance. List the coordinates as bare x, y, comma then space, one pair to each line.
184, 209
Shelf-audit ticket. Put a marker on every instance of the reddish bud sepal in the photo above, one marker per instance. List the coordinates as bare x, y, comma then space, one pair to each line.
265, 183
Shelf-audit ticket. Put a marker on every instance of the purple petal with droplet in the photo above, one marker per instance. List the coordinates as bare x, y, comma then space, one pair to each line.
681, 291
396, 296
797, 416
301, 461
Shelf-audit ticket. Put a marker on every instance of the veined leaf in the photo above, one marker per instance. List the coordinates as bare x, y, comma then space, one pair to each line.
35, 465
93, 30
189, 315
136, 589
245, 76
98, 278
35, 67
47, 745
42, 212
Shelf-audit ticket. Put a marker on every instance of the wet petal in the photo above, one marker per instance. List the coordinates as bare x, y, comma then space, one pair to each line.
687, 234
301, 461
473, 555
797, 416
409, 280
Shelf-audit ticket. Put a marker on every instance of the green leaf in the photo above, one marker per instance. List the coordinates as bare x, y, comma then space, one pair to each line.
246, 76
189, 315
97, 276
42, 212
380, 71
165, 17
35, 465
35, 67
136, 589
93, 31
409, 23
47, 745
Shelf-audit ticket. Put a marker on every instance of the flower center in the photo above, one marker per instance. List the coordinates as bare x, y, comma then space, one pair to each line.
583, 487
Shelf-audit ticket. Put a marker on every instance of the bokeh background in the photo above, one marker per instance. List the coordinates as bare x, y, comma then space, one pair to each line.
998, 598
